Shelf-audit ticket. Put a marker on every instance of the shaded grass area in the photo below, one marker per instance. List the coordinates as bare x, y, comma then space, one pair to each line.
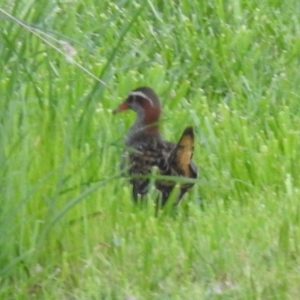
68, 229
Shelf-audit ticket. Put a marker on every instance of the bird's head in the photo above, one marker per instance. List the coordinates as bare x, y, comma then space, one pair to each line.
145, 103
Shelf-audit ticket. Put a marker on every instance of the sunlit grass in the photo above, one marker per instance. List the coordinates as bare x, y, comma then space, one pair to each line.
68, 228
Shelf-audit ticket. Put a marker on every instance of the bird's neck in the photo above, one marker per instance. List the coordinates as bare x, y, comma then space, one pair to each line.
141, 129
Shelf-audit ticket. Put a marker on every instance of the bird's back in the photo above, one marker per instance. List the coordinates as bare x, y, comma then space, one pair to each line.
148, 151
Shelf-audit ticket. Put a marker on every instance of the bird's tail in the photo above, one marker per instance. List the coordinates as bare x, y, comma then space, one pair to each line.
181, 156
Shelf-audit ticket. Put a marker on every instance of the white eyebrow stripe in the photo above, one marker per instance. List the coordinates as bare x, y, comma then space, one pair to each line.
141, 94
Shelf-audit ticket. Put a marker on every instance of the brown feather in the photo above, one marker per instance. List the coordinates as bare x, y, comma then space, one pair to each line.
150, 150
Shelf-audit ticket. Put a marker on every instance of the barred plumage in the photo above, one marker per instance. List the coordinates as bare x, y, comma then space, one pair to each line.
150, 150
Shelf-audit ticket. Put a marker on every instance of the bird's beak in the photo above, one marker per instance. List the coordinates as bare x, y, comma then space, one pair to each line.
123, 106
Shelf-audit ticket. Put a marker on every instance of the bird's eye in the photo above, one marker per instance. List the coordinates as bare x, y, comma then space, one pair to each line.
130, 99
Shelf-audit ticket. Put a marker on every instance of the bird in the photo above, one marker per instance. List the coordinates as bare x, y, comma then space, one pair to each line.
146, 149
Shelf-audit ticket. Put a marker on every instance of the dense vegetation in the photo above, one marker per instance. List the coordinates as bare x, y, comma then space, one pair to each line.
68, 229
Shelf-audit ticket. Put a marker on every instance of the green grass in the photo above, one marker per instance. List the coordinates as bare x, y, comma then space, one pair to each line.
68, 228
